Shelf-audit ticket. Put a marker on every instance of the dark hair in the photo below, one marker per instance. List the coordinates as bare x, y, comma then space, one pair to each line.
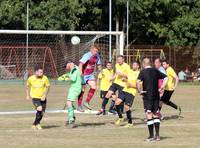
165, 61
67, 62
120, 56
37, 67
136, 62
108, 62
158, 59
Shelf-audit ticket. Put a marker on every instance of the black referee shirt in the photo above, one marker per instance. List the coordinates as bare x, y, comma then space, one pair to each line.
150, 76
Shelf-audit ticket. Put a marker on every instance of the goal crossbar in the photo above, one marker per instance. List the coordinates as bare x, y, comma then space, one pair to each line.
51, 32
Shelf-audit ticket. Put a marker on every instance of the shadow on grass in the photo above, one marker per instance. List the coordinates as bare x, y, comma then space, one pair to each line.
50, 126
91, 124
163, 138
173, 117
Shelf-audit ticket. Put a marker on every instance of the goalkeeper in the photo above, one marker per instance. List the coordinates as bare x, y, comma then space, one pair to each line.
74, 91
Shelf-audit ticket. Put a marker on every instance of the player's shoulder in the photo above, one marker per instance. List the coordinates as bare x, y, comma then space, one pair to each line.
170, 70
45, 77
31, 77
87, 54
126, 65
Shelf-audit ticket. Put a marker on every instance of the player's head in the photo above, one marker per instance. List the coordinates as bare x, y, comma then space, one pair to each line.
146, 62
157, 63
120, 59
69, 65
135, 65
109, 65
38, 71
165, 64
95, 49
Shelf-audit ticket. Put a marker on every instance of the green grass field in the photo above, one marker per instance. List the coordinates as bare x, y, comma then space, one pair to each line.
96, 131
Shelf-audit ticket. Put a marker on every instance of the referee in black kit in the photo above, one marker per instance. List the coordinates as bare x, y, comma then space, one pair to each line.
149, 77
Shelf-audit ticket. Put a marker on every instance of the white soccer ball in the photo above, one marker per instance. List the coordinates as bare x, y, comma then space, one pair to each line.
75, 40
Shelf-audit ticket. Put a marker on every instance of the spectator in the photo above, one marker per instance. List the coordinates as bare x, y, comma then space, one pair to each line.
182, 76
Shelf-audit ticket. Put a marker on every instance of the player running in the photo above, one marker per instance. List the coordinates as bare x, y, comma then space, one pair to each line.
121, 71
37, 89
170, 87
105, 78
128, 94
74, 91
149, 78
87, 66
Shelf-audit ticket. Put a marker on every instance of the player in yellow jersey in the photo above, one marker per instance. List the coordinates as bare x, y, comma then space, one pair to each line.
128, 94
105, 78
170, 87
121, 70
37, 89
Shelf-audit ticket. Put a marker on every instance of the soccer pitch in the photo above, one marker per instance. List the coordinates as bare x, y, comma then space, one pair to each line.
96, 131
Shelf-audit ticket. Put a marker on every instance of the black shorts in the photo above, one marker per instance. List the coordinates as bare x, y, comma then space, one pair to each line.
151, 105
103, 94
127, 98
166, 96
115, 87
38, 102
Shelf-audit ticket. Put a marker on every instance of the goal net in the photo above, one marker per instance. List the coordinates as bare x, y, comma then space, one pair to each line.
25, 49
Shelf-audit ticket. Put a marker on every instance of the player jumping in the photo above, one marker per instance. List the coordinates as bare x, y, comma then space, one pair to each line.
87, 66
74, 77
37, 89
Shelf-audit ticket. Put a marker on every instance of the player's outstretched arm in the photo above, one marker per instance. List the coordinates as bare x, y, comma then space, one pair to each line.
63, 77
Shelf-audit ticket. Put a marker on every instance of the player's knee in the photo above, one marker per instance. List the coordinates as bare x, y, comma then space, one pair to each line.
126, 107
109, 94
69, 104
39, 108
118, 102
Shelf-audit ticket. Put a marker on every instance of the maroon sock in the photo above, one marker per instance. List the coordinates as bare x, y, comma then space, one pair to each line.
90, 95
80, 98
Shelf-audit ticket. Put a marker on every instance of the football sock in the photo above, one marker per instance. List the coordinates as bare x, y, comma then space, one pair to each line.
118, 107
112, 104
104, 103
80, 98
157, 125
129, 117
90, 95
71, 113
150, 124
38, 117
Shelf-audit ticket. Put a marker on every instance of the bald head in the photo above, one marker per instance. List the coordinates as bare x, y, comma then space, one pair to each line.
146, 62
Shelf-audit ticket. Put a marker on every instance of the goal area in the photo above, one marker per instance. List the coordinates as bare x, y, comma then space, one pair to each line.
21, 50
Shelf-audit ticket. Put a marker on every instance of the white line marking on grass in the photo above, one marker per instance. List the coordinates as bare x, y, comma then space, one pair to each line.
92, 112
48, 111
